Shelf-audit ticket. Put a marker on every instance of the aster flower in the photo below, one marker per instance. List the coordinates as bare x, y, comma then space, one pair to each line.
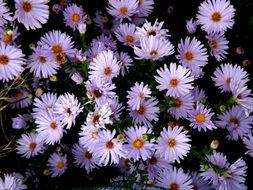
198, 182
104, 66
182, 106
147, 112
124, 61
145, 7
125, 33
153, 48
88, 137
42, 64
9, 182
248, 143
29, 145
218, 44
137, 147
121, 9
67, 108
96, 48
174, 179
108, 148
116, 108
216, 15
73, 16
4, 13
9, 35
31, 13
20, 98
236, 122
227, 75
18, 122
84, 158
11, 62
107, 41
177, 80
200, 118
192, 55
57, 164
173, 144
136, 94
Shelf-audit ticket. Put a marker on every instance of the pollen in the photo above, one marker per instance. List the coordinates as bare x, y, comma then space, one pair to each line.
123, 10
60, 164
189, 56
174, 82
200, 118
216, 16
174, 186
42, 59
138, 143
4, 60
56, 49
7, 38
107, 71
75, 17
88, 155
129, 38
32, 146
141, 110
53, 125
171, 143
109, 144
214, 44
27, 7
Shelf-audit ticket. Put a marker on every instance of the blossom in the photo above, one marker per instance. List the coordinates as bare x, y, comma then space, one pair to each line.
191, 26
11, 62
9, 35
145, 7
177, 80
18, 122
57, 164
30, 145
124, 61
173, 144
198, 182
248, 143
125, 33
4, 13
20, 98
216, 15
31, 13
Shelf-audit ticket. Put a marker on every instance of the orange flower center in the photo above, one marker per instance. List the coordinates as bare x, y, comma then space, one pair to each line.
153, 53
200, 118
107, 71
174, 82
56, 49
216, 17
228, 80
27, 7
53, 125
4, 60
32, 146
123, 10
214, 44
178, 102
188, 56
60, 165
88, 155
75, 17
42, 59
171, 143
141, 110
109, 144
138, 143
129, 38
7, 38
174, 186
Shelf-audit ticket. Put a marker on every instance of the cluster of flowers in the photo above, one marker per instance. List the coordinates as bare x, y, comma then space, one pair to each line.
143, 151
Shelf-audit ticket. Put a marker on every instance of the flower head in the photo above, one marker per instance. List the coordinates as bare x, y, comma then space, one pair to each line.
57, 164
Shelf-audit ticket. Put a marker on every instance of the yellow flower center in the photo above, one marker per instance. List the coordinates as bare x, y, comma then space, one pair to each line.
7, 38
174, 82
107, 71
32, 146
216, 16
60, 164
171, 143
75, 17
123, 10
228, 80
138, 143
53, 125
56, 49
129, 38
188, 56
4, 60
200, 118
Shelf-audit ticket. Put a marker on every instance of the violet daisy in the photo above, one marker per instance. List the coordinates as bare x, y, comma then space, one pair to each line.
136, 94
57, 164
216, 15
173, 144
177, 80
192, 55
107, 41
67, 109
248, 143
200, 118
4, 13
31, 13
198, 182
137, 146
125, 33
20, 98
104, 65
236, 122
9, 35
30, 145
89, 137
147, 112
145, 7
73, 16
218, 44
174, 179
124, 61
11, 62
121, 9
153, 48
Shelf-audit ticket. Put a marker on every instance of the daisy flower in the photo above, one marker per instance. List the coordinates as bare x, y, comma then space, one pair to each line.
145, 7
148, 30
136, 94
192, 54
73, 16
218, 44
20, 98
108, 148
42, 64
107, 41
9, 35
147, 112
248, 143
4, 13
198, 182
137, 147
174, 179
200, 118
216, 15
67, 109
49, 128
88, 137
31, 13
104, 65
11, 62
236, 122
124, 61
153, 48
84, 158
122, 9
96, 48
57, 164
177, 80
182, 106
125, 33
173, 144
228, 74
29, 145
